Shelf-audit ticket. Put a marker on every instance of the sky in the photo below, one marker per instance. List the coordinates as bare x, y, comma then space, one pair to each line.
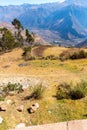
18, 2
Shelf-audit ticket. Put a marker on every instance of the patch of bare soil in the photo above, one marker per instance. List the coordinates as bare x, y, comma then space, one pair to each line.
39, 50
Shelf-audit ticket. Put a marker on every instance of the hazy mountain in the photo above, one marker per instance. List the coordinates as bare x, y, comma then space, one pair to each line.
66, 23
77, 2
59, 21
82, 44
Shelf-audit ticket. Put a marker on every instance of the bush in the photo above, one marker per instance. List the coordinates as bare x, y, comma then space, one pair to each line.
27, 54
26, 49
77, 94
16, 88
79, 91
38, 92
65, 91
73, 54
51, 57
29, 57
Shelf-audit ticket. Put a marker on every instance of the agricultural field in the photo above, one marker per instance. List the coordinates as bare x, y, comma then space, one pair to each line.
46, 72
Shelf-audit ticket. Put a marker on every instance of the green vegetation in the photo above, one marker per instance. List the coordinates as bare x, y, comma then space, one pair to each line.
66, 91
15, 88
51, 57
10, 40
29, 37
7, 40
73, 54
79, 91
63, 91
27, 53
38, 92
18, 26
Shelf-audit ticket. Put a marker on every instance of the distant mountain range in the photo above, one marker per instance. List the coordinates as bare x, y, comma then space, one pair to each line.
55, 22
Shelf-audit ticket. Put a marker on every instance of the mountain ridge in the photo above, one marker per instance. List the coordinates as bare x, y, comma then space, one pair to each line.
65, 19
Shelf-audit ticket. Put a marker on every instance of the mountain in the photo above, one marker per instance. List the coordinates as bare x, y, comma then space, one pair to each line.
82, 44
65, 21
77, 2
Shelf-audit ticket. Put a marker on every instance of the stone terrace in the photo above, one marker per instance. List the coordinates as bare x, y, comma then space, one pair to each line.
70, 125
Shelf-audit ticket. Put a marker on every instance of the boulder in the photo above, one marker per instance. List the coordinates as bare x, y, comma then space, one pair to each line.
33, 108
11, 93
3, 108
9, 102
20, 108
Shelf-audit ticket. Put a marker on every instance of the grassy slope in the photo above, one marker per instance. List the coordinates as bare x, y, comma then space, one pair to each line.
52, 72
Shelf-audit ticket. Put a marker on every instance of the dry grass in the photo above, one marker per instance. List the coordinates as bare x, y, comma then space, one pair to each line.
54, 51
53, 72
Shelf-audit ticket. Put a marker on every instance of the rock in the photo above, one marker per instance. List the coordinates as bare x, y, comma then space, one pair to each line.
11, 93
49, 111
21, 125
9, 102
33, 108
20, 108
1, 120
3, 108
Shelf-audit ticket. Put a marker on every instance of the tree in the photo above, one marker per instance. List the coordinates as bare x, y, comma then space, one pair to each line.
29, 37
27, 53
18, 26
7, 40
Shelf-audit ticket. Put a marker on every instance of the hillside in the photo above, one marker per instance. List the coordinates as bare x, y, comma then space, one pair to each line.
38, 40
49, 73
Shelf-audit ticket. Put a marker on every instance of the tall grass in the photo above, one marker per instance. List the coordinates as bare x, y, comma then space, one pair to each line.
38, 92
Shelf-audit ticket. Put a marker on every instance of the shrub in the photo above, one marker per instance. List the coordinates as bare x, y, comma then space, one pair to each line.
51, 57
38, 92
27, 53
73, 54
29, 57
16, 88
63, 91
77, 94
26, 49
79, 91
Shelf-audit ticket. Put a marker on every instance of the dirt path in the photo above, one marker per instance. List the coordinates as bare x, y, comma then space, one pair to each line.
25, 80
